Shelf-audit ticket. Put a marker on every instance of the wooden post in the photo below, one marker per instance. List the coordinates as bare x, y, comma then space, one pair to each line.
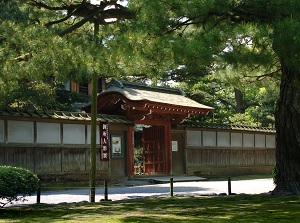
130, 158
229, 185
168, 149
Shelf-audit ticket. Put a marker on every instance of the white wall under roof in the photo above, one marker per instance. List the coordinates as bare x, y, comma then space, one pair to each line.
236, 139
30, 132
229, 139
209, 138
193, 138
73, 134
223, 139
48, 133
89, 135
20, 132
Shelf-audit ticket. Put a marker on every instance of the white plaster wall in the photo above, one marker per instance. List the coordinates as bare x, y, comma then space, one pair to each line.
236, 139
193, 138
248, 140
89, 135
73, 134
209, 138
270, 141
48, 133
1, 130
20, 132
223, 139
260, 141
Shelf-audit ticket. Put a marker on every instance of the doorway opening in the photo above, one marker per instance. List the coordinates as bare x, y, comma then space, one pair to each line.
149, 151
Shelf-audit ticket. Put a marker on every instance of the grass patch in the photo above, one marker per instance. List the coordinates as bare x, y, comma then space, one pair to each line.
238, 208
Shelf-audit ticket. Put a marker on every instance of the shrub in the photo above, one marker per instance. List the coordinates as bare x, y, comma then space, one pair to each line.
15, 184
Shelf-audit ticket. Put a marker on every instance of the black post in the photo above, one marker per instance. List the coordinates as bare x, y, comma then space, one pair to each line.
38, 193
229, 185
171, 186
105, 190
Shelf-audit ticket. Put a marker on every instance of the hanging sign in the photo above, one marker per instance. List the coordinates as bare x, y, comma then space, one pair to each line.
104, 151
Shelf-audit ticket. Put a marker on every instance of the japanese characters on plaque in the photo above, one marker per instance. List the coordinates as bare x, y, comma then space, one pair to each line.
104, 140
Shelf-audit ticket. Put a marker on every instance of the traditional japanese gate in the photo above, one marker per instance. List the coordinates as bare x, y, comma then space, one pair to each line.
154, 150
158, 107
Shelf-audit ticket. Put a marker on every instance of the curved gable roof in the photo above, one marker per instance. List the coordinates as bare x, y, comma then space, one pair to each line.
163, 95
140, 102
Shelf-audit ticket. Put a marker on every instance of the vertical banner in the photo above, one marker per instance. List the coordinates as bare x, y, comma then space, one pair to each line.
104, 140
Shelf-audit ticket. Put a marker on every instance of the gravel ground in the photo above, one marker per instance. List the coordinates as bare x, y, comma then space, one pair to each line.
115, 193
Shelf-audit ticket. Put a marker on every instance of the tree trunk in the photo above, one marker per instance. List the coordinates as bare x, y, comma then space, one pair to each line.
239, 99
93, 160
287, 170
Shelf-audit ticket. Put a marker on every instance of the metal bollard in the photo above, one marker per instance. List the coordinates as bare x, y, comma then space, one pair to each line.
171, 187
229, 185
38, 193
105, 191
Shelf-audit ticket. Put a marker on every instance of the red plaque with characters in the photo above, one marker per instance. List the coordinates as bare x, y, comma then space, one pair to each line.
104, 141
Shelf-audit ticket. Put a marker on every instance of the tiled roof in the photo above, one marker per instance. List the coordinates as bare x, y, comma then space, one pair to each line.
142, 92
228, 127
78, 116
143, 86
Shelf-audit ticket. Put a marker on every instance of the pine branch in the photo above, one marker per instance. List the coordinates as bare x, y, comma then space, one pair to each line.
58, 21
88, 11
251, 105
39, 5
25, 57
226, 102
264, 76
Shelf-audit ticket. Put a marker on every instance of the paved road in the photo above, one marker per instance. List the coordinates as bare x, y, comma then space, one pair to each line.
157, 190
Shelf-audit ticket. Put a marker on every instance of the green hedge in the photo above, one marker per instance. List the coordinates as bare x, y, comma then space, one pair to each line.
15, 184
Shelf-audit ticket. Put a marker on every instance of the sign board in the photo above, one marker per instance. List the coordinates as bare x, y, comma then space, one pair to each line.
104, 141
174, 146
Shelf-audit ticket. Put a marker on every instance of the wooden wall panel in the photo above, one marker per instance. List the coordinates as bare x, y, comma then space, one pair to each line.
118, 167
224, 157
194, 157
199, 159
270, 156
260, 157
74, 160
20, 157
249, 157
48, 160
178, 157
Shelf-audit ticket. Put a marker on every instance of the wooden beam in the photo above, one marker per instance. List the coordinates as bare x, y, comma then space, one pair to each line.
130, 158
168, 149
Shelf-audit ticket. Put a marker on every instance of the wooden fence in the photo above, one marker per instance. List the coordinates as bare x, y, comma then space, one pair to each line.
53, 163
230, 161
231, 152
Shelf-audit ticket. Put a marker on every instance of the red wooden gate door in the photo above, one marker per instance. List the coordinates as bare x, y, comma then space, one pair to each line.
154, 150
